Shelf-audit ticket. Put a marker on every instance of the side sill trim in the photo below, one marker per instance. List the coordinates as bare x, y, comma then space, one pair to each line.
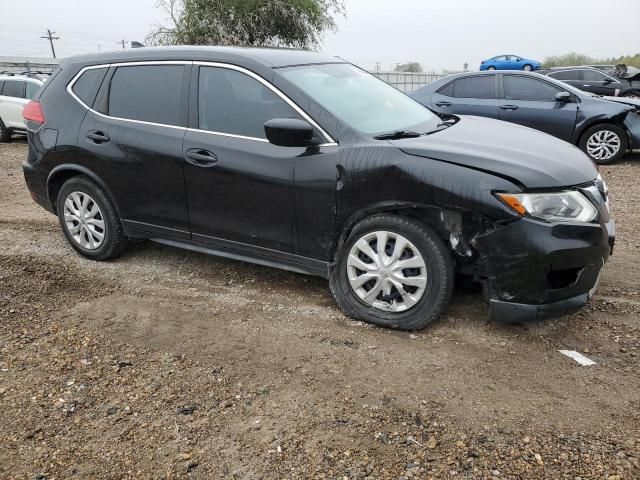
289, 262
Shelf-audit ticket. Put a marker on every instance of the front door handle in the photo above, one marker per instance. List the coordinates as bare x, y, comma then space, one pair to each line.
200, 157
96, 136
443, 104
509, 107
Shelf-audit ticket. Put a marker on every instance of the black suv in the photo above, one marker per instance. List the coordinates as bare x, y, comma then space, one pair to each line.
304, 162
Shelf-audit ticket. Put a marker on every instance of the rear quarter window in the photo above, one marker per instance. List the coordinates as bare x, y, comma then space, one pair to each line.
150, 93
87, 85
447, 90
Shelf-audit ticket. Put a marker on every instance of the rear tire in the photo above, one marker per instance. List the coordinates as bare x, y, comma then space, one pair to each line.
491, 68
415, 296
5, 133
604, 143
89, 220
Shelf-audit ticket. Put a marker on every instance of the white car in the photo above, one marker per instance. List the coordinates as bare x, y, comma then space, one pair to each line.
15, 92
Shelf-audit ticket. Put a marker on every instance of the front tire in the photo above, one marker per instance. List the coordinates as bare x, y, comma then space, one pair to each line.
632, 94
604, 143
89, 220
393, 272
527, 68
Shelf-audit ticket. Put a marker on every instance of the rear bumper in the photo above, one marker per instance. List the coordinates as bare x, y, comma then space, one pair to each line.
36, 180
537, 270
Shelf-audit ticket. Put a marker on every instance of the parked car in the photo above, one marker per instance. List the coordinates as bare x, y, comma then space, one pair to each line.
612, 82
510, 62
304, 162
15, 93
603, 129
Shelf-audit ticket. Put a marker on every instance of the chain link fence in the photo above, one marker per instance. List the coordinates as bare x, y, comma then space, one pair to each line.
406, 81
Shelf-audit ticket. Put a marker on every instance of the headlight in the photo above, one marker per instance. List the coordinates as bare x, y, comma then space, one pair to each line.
552, 207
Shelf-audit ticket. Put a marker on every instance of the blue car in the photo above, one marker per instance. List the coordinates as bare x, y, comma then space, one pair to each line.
510, 62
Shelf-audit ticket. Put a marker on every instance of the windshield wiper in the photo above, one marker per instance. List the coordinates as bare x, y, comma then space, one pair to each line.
397, 134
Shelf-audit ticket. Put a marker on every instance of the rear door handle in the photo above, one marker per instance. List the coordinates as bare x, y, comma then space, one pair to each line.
443, 104
97, 136
200, 157
509, 107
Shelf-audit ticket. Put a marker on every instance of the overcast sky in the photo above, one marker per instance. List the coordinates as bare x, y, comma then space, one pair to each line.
440, 34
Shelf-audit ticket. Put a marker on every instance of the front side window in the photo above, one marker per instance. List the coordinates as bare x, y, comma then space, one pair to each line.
149, 93
525, 88
232, 102
13, 88
361, 100
567, 75
475, 87
593, 76
86, 87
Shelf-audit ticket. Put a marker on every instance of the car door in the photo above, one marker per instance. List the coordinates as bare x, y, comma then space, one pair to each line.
470, 95
599, 83
531, 102
240, 186
132, 140
12, 101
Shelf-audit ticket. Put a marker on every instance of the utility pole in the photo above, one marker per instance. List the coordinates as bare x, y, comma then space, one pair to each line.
123, 42
49, 36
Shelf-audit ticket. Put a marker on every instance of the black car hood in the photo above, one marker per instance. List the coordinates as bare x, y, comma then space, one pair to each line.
519, 154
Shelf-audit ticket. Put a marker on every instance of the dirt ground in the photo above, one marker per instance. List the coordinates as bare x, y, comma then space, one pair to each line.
172, 364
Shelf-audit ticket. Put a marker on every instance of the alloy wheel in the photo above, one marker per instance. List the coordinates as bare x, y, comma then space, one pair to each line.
386, 271
603, 145
527, 68
84, 221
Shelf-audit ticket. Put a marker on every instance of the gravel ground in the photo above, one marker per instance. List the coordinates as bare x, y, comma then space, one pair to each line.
172, 364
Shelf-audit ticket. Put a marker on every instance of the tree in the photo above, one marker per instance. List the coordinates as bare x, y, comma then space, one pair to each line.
291, 23
412, 67
573, 59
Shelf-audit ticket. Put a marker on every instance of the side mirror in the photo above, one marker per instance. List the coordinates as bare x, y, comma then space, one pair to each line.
289, 132
564, 97
607, 81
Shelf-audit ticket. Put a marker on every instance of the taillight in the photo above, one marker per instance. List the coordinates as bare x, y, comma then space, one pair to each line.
32, 112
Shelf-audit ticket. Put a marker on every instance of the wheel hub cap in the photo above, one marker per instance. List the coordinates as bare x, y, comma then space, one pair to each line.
603, 145
386, 271
84, 221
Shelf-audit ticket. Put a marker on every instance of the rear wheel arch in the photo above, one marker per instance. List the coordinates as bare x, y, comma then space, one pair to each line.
62, 173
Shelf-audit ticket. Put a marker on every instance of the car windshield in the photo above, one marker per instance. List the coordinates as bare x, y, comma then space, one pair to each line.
361, 100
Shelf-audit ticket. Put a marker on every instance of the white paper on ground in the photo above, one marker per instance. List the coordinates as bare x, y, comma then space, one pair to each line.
578, 357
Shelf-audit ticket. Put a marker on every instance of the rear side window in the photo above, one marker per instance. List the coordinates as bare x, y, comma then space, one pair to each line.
150, 93
525, 88
13, 88
86, 87
475, 87
233, 102
567, 75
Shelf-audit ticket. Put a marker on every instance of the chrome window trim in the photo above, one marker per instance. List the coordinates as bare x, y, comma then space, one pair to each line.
330, 141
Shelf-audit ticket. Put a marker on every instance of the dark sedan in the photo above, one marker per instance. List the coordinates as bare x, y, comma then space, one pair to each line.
602, 128
601, 81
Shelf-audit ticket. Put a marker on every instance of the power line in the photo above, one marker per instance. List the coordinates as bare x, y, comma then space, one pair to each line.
51, 39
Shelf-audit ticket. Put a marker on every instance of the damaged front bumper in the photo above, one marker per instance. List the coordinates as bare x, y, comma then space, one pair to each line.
535, 270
